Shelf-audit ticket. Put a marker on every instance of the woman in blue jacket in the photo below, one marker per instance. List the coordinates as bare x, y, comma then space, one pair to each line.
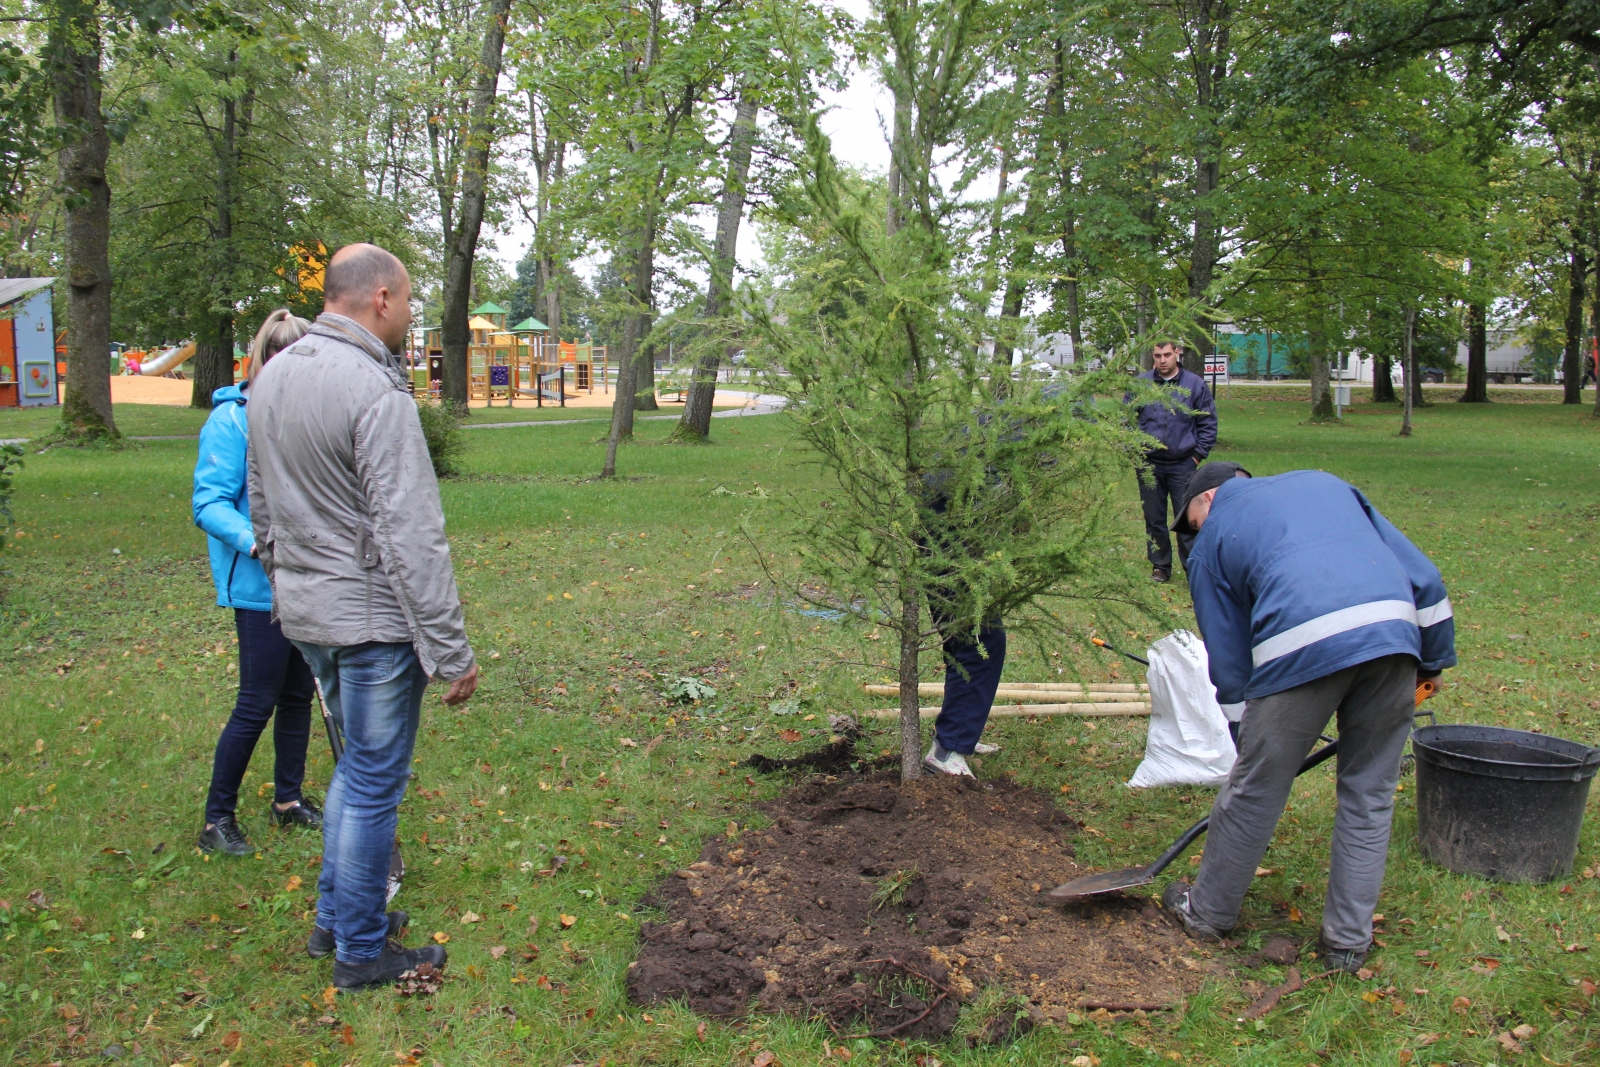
272, 673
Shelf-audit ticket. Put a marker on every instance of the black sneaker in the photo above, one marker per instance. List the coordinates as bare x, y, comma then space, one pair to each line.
387, 968
301, 813
320, 943
1175, 898
226, 836
1348, 960
1161, 574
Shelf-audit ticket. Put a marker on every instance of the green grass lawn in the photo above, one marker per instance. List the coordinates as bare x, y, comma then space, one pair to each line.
117, 672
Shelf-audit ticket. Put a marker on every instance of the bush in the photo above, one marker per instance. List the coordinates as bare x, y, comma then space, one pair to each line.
441, 428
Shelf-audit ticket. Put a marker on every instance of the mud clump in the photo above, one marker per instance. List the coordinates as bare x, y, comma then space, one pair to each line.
883, 908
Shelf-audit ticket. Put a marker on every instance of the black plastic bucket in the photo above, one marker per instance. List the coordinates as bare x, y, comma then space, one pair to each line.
1503, 804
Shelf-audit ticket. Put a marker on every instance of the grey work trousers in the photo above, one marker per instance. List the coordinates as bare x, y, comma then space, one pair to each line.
1376, 705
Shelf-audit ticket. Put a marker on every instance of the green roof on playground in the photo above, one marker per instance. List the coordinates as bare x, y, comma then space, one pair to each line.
490, 308
529, 325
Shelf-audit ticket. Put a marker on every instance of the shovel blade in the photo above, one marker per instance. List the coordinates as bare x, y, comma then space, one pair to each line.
1104, 882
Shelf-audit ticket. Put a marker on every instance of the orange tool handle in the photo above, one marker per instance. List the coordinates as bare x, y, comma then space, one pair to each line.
1425, 689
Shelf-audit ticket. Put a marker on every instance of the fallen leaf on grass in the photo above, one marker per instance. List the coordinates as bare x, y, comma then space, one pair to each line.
790, 736
765, 1058
470, 917
347, 1036
231, 1039
1501, 935
1406, 1056
424, 981
543, 982
293, 883
1428, 1039
700, 1032
1460, 1005
627, 742
1262, 872
1295, 916
1523, 1032
533, 924
440, 937
1589, 988
496, 951
36, 898
1086, 1061
568, 920
67, 1011
329, 995
1484, 965
1509, 1043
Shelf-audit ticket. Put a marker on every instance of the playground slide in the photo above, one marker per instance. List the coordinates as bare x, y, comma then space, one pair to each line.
170, 360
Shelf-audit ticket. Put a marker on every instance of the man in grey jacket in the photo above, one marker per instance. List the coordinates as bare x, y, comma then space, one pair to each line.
350, 531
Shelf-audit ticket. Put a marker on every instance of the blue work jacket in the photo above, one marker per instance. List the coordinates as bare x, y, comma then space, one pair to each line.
1182, 435
222, 504
1298, 575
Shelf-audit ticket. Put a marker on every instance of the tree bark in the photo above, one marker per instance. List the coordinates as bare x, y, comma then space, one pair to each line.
1408, 369
213, 356
549, 161
75, 82
1571, 368
634, 350
910, 697
1321, 394
695, 425
1209, 54
461, 242
1382, 379
1588, 360
1477, 356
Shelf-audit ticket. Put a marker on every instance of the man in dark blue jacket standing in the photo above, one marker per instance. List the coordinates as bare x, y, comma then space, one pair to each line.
1312, 604
1186, 429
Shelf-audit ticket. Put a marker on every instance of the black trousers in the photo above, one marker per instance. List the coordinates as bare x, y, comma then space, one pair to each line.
1168, 480
272, 674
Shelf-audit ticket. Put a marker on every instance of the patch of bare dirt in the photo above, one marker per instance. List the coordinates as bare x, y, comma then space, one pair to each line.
882, 907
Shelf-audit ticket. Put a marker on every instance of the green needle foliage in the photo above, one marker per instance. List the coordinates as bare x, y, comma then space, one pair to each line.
950, 481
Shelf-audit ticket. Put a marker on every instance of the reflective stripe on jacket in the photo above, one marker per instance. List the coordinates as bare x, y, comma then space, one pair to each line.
1298, 575
222, 504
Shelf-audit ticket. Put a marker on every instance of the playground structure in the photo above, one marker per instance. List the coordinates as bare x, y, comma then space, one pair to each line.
505, 364
29, 368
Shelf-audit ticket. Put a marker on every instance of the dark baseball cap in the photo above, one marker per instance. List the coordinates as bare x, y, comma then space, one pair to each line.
1206, 477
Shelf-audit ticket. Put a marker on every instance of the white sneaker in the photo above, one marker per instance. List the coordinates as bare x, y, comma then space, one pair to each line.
952, 763
981, 749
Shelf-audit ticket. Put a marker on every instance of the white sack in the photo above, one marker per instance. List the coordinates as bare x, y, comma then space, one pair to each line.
1188, 742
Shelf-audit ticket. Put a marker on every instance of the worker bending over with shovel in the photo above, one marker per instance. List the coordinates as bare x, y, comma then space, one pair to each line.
1311, 604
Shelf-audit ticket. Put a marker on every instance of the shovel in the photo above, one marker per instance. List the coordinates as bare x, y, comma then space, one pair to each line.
1133, 877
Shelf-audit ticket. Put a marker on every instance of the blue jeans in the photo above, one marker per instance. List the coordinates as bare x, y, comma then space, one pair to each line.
272, 674
971, 676
374, 692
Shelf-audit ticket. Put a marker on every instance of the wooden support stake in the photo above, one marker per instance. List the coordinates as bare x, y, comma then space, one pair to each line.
1021, 711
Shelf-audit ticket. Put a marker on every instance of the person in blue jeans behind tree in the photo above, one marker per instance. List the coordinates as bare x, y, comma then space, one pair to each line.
346, 512
272, 673
1185, 431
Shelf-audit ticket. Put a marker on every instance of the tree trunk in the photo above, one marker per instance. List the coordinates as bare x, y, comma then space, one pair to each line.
634, 350
695, 425
1408, 369
548, 162
461, 243
1477, 356
1571, 352
1589, 359
213, 356
1210, 57
1321, 394
75, 84
910, 697
1382, 379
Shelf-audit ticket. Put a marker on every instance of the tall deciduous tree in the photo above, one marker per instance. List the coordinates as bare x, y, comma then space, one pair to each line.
462, 213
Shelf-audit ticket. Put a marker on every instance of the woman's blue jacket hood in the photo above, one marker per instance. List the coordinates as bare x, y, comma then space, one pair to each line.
222, 504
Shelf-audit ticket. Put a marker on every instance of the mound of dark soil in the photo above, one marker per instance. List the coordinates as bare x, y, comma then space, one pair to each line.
881, 908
